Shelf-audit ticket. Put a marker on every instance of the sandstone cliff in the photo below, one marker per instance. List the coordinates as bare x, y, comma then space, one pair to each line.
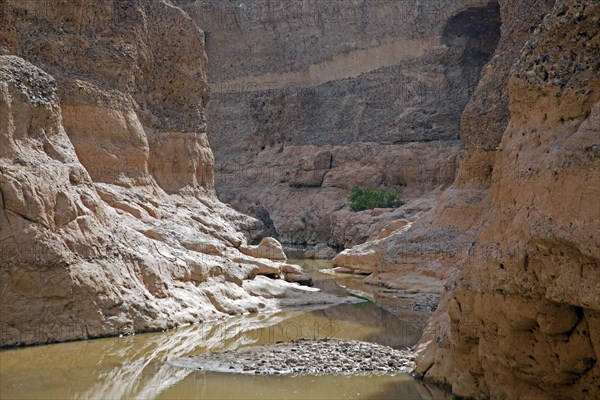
516, 235
523, 312
438, 241
312, 98
109, 222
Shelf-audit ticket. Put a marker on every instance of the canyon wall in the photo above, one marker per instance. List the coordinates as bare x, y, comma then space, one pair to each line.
522, 315
312, 98
109, 220
515, 238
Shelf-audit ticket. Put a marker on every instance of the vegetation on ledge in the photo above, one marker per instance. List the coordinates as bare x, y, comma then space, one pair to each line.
367, 199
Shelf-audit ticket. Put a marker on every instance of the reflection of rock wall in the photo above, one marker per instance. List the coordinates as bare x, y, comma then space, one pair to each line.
379, 85
381, 326
137, 367
109, 218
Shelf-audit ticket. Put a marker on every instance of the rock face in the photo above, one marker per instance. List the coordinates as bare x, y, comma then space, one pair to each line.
109, 221
516, 235
267, 248
439, 241
310, 99
523, 311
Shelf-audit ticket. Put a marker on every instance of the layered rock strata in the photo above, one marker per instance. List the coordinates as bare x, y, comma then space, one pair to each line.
523, 312
515, 236
109, 222
310, 99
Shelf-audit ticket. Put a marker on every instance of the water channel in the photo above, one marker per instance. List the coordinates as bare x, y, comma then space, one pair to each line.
135, 367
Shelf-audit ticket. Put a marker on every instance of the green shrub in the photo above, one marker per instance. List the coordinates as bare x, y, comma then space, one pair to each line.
367, 199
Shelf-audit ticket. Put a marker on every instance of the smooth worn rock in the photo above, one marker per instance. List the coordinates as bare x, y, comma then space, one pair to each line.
358, 259
267, 248
295, 273
109, 222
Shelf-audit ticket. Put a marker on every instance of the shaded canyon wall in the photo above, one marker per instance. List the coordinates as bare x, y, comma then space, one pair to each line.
310, 99
523, 311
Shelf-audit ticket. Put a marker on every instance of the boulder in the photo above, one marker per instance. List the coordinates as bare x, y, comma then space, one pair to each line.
359, 259
267, 248
295, 273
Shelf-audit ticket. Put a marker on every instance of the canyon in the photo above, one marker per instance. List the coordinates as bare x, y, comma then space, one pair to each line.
515, 237
294, 131
110, 223
158, 159
310, 99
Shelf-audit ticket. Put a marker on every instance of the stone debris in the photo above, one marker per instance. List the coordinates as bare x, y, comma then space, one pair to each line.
304, 356
427, 302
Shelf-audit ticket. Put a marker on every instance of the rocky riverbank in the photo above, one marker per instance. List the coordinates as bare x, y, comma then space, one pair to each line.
304, 356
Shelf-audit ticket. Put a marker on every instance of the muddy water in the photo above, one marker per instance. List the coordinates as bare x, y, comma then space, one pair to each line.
134, 367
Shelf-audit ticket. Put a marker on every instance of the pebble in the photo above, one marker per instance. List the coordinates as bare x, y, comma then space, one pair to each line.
304, 356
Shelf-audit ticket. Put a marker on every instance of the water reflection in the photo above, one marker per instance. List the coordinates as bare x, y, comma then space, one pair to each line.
134, 367
127, 367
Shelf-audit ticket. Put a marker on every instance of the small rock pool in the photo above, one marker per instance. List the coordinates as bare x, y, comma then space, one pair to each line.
136, 366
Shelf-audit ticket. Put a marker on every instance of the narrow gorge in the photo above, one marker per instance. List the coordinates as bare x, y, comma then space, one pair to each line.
176, 179
312, 99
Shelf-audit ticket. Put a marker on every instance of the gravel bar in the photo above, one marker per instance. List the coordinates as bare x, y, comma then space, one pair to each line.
304, 356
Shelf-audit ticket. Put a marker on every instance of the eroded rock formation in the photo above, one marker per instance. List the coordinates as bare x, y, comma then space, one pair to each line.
426, 254
310, 99
523, 313
110, 223
516, 235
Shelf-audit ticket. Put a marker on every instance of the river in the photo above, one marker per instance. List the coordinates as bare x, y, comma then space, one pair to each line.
134, 366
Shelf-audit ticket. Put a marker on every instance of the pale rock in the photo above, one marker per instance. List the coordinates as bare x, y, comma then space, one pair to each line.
281, 293
295, 273
109, 220
342, 270
360, 259
267, 248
